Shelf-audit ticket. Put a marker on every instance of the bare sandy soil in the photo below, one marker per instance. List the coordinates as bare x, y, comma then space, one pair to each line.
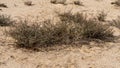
105, 55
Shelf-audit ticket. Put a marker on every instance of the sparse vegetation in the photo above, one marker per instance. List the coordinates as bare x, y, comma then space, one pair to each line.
25, 35
95, 30
70, 18
70, 29
88, 28
35, 35
5, 20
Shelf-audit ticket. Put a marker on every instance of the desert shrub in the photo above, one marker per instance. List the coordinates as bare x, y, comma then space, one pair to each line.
24, 35
28, 3
70, 18
46, 34
117, 3
101, 16
70, 29
94, 30
90, 28
5, 20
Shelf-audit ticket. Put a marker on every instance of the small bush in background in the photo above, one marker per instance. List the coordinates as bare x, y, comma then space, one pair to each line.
5, 20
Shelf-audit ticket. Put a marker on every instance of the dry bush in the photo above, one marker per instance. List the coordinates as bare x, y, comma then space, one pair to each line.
5, 20
94, 30
91, 28
23, 34
69, 30
70, 18
35, 35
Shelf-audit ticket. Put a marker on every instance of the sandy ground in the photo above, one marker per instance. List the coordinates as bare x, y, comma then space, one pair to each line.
86, 56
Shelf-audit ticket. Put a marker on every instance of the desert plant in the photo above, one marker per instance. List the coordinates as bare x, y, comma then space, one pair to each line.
101, 16
24, 34
117, 3
5, 20
90, 28
46, 34
93, 29
70, 18
70, 29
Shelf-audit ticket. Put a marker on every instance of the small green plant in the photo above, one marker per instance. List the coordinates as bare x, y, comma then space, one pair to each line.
101, 16
5, 20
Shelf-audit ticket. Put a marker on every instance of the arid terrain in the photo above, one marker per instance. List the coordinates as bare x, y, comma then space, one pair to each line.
93, 55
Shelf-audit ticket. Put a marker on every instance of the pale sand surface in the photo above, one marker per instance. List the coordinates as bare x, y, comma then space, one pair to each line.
107, 56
